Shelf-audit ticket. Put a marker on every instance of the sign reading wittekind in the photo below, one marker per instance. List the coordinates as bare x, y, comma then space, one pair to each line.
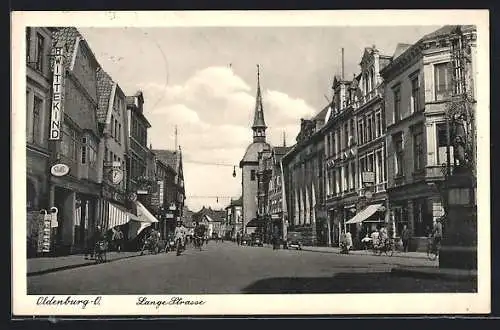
57, 95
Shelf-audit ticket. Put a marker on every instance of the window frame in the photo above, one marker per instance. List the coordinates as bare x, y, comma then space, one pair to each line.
39, 52
398, 154
396, 90
415, 92
445, 94
36, 132
418, 149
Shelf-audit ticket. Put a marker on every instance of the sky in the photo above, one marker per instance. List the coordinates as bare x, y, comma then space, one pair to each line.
203, 80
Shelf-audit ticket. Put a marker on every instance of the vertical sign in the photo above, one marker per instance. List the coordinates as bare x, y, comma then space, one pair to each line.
41, 230
47, 230
160, 190
57, 95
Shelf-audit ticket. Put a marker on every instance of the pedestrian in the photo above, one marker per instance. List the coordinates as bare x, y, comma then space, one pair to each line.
94, 237
405, 237
375, 239
238, 238
437, 232
348, 237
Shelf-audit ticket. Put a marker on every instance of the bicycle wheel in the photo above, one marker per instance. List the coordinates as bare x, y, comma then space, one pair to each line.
431, 254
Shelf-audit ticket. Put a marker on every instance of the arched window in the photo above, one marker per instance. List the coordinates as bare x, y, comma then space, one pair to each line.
30, 195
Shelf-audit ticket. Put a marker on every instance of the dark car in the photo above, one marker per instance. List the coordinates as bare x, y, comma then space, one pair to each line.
294, 240
256, 241
246, 240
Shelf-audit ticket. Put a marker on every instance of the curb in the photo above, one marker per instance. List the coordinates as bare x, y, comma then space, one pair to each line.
57, 269
452, 274
354, 253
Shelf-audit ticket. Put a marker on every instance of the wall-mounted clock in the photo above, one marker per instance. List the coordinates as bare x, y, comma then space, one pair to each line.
116, 176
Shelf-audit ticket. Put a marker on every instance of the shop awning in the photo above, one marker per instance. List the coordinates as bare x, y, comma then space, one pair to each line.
364, 214
143, 214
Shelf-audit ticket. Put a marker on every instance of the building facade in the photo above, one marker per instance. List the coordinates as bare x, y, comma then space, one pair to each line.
38, 105
276, 207
176, 191
75, 139
264, 173
418, 87
304, 180
234, 218
249, 164
112, 118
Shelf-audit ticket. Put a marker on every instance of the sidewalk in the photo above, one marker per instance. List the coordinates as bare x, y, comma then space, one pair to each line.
44, 265
421, 255
436, 273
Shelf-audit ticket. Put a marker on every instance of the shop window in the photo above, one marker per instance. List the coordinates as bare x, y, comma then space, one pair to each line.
422, 218
400, 214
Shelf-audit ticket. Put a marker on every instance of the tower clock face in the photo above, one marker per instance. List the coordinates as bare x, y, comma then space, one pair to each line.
116, 176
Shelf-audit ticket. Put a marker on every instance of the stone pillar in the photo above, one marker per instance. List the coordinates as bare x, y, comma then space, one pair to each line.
459, 245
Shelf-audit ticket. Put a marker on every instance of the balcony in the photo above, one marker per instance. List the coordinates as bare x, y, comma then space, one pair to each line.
433, 172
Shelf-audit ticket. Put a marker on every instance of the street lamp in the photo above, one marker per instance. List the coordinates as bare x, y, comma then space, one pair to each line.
234, 171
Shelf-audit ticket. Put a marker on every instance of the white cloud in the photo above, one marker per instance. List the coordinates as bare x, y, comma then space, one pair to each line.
213, 110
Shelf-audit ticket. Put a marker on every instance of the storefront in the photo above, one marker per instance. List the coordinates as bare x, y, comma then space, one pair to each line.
417, 207
77, 205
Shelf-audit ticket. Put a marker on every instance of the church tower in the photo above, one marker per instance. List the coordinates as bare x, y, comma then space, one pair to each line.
259, 124
250, 163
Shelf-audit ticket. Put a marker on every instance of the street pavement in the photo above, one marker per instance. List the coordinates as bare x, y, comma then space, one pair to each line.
222, 268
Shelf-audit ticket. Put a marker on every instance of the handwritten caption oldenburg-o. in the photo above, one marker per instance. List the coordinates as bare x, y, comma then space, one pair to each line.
69, 301
172, 301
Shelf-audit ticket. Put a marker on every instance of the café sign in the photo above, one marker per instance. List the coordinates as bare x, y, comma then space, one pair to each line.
57, 95
59, 170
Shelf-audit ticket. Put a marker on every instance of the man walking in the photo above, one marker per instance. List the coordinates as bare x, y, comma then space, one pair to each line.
405, 237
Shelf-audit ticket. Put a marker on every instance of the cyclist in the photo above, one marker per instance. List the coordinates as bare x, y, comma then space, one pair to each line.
180, 233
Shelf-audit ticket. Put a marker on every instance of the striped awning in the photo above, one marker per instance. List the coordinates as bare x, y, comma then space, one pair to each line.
364, 214
143, 213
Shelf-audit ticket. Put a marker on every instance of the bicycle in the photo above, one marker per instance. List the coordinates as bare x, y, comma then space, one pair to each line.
432, 249
100, 254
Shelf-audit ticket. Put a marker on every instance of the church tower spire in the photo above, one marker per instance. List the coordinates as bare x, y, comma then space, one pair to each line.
259, 125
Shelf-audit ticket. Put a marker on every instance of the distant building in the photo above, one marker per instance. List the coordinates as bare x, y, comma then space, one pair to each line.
234, 218
176, 191
213, 220
249, 164
275, 208
303, 170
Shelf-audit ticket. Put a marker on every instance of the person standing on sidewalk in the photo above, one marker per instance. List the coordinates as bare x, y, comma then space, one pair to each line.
405, 237
95, 237
118, 239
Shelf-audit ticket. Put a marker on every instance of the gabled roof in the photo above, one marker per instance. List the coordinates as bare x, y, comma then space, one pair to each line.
169, 157
400, 48
104, 89
281, 150
446, 30
209, 215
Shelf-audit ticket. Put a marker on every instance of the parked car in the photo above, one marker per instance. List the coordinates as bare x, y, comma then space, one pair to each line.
294, 240
256, 241
246, 239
